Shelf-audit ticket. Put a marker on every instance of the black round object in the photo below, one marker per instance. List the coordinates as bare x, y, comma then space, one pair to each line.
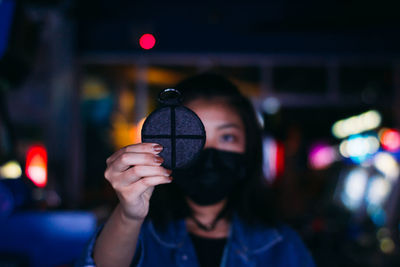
178, 129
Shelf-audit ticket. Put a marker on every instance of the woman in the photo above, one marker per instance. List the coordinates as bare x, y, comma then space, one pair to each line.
218, 212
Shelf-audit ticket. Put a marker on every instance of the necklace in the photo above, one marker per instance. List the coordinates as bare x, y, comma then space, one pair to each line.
204, 227
210, 227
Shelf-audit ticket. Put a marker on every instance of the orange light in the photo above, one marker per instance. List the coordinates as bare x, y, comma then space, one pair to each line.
36, 165
147, 41
390, 140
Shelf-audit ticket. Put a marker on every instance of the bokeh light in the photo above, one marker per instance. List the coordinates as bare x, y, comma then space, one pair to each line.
359, 147
377, 215
378, 190
390, 140
147, 41
273, 159
321, 156
354, 188
357, 124
387, 245
382, 233
387, 164
36, 165
271, 105
11, 170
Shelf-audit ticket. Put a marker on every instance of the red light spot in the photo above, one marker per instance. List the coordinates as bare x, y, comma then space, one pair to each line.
280, 159
36, 165
390, 140
147, 41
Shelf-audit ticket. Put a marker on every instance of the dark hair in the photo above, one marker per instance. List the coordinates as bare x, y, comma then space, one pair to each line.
252, 200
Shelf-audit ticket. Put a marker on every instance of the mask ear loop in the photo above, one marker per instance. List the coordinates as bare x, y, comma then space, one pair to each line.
170, 97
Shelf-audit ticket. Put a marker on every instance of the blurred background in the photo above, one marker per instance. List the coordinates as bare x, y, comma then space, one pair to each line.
77, 79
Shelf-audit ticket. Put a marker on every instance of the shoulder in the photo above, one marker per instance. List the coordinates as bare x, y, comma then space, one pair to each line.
279, 240
294, 247
260, 236
289, 235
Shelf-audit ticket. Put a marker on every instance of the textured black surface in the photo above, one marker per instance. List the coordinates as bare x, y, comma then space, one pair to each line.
179, 131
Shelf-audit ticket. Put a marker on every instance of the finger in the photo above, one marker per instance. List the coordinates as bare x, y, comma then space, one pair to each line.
128, 159
143, 188
139, 172
152, 148
148, 182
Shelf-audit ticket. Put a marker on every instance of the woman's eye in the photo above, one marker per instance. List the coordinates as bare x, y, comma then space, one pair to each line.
228, 138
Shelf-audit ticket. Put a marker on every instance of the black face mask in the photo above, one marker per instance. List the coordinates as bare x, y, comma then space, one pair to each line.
212, 176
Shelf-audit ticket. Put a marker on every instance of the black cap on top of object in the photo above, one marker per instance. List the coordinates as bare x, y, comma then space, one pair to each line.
178, 129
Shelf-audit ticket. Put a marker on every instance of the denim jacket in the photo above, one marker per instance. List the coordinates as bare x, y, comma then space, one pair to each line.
246, 246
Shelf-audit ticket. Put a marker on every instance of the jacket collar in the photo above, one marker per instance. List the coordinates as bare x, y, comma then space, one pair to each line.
172, 236
252, 239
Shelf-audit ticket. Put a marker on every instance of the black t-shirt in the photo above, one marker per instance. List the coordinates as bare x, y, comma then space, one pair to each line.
209, 250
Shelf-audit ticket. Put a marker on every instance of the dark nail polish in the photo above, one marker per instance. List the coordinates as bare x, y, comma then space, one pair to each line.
157, 148
158, 159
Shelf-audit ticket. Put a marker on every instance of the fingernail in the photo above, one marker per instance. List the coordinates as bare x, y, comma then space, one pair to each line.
158, 160
168, 172
170, 179
157, 148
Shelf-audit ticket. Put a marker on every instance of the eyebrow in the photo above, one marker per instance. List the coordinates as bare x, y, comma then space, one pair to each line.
228, 125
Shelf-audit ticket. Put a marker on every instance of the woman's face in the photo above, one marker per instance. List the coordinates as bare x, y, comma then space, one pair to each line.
224, 128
